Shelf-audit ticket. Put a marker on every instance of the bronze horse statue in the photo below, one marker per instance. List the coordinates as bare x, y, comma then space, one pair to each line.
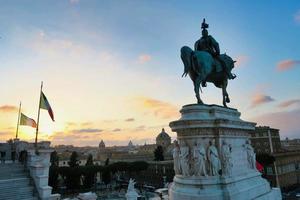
201, 67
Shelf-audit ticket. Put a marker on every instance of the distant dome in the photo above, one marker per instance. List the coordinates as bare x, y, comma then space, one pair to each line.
163, 139
101, 144
130, 144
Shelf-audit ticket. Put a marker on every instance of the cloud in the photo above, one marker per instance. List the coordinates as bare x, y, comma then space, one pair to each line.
158, 108
8, 108
129, 120
87, 130
140, 128
116, 130
258, 99
287, 64
144, 58
297, 17
241, 60
86, 124
287, 122
289, 103
74, 1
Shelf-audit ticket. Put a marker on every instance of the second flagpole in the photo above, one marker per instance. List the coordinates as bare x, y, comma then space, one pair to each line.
38, 118
17, 131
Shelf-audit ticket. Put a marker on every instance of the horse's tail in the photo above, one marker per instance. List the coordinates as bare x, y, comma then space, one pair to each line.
186, 53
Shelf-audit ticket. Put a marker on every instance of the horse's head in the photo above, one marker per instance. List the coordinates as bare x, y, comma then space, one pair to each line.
186, 53
228, 61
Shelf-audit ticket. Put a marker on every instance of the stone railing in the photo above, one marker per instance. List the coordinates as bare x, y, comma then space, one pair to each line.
38, 166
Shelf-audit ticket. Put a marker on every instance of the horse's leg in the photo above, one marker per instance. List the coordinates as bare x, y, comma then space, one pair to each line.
224, 95
196, 89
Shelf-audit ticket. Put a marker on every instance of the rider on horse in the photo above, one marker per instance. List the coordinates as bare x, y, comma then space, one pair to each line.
209, 44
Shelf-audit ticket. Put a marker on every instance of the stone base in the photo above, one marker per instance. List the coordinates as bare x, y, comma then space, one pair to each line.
250, 186
212, 125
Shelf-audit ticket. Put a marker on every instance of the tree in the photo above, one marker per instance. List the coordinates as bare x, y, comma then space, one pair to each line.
159, 153
74, 159
89, 161
106, 176
89, 172
106, 162
54, 159
53, 170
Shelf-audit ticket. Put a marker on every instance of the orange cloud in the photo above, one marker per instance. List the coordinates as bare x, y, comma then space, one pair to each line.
8, 108
287, 64
144, 58
159, 108
129, 120
241, 60
289, 103
258, 99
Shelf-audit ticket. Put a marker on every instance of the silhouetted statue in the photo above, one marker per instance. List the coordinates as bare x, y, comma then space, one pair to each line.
206, 64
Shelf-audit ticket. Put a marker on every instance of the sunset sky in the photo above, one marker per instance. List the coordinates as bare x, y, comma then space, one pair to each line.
112, 69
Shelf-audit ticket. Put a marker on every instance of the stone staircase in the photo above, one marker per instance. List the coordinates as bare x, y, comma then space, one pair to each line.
15, 183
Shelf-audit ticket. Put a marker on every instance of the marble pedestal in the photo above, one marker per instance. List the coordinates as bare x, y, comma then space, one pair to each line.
201, 125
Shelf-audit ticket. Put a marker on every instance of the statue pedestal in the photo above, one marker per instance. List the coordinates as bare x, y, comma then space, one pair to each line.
227, 157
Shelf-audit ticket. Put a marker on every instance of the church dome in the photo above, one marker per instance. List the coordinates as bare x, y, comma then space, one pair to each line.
130, 144
163, 139
101, 144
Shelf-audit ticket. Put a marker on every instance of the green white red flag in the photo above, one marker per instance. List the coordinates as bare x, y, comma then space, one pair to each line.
45, 105
26, 121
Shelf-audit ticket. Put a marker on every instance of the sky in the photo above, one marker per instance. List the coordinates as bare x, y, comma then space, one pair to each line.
112, 70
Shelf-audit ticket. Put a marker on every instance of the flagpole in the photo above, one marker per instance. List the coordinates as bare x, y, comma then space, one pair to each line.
18, 121
38, 119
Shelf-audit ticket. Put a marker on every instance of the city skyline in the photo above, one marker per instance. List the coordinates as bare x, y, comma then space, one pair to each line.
112, 70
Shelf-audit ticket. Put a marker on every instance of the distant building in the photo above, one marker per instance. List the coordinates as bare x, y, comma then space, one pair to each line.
288, 169
163, 139
285, 172
291, 145
101, 145
265, 140
133, 152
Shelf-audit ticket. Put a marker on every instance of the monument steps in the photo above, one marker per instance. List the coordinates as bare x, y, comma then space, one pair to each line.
15, 183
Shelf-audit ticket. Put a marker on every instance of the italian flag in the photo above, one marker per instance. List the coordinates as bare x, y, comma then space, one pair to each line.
45, 105
26, 121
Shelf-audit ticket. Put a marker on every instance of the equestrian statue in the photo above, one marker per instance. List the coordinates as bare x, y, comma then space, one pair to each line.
206, 64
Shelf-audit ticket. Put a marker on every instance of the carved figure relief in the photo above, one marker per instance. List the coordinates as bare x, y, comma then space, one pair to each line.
226, 159
184, 159
199, 157
251, 156
213, 158
176, 154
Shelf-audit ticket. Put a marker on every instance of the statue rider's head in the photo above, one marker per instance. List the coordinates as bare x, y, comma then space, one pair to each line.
204, 33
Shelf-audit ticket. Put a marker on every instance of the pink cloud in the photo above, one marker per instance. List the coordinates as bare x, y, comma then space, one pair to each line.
241, 60
74, 1
297, 17
289, 103
258, 99
144, 58
287, 122
287, 64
